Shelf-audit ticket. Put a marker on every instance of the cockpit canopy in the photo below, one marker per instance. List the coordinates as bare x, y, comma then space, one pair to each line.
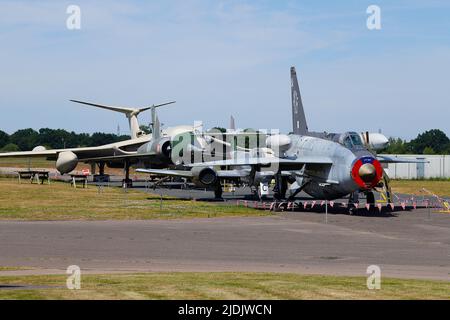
351, 140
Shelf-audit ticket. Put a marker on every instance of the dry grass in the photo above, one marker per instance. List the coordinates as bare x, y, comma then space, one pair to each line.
8, 268
222, 286
58, 201
440, 188
43, 163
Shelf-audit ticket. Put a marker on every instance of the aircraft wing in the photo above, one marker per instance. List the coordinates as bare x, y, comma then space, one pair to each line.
119, 157
188, 174
389, 159
83, 154
283, 163
53, 154
167, 172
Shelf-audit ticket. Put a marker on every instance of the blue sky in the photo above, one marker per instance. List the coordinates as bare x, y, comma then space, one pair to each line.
222, 58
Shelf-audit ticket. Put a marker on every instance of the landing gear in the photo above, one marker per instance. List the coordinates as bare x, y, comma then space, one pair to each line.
280, 187
352, 200
101, 177
297, 191
218, 191
387, 187
101, 167
127, 182
370, 198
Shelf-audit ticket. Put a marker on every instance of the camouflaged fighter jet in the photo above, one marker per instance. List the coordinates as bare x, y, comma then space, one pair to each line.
325, 166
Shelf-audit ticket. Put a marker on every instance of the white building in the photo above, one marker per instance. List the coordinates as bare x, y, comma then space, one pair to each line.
438, 167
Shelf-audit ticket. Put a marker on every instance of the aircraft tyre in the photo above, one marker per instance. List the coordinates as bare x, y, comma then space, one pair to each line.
370, 198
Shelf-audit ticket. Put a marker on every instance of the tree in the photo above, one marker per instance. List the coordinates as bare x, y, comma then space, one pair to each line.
10, 147
146, 129
4, 139
216, 129
428, 150
56, 139
434, 139
396, 146
99, 138
25, 139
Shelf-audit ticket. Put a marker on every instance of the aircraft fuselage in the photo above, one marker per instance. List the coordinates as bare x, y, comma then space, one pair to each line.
352, 169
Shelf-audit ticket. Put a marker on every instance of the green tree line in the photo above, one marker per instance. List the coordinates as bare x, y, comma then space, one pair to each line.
433, 141
430, 142
27, 139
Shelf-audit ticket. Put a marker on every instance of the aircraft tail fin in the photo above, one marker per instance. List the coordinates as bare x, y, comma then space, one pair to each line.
156, 126
298, 113
130, 113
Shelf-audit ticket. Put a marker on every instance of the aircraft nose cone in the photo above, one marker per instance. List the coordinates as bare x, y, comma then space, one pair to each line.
367, 172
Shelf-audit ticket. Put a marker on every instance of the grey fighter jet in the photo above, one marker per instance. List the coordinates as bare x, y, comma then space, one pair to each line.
325, 166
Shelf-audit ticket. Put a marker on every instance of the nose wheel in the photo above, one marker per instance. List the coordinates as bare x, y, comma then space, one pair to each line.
370, 198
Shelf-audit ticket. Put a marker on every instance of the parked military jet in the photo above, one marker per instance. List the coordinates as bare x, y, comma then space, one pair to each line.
153, 148
325, 166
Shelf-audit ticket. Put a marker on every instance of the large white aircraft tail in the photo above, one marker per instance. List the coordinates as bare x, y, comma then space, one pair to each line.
130, 113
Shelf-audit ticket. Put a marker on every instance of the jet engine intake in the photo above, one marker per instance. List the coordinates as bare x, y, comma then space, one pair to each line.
367, 172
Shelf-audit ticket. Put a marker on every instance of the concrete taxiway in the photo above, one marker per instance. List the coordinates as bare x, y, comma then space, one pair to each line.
407, 245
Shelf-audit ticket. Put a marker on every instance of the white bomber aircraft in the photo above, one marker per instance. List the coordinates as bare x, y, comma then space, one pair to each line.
153, 148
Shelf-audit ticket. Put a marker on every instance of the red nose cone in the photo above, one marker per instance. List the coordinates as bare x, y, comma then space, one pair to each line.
367, 172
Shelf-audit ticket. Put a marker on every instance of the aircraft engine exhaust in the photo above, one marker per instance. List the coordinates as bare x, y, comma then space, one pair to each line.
204, 177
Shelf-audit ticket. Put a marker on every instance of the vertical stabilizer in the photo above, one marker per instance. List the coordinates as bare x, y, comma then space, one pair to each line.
156, 125
298, 113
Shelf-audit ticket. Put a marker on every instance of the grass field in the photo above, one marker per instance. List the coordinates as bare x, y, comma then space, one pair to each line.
221, 286
26, 162
438, 187
43, 163
58, 201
